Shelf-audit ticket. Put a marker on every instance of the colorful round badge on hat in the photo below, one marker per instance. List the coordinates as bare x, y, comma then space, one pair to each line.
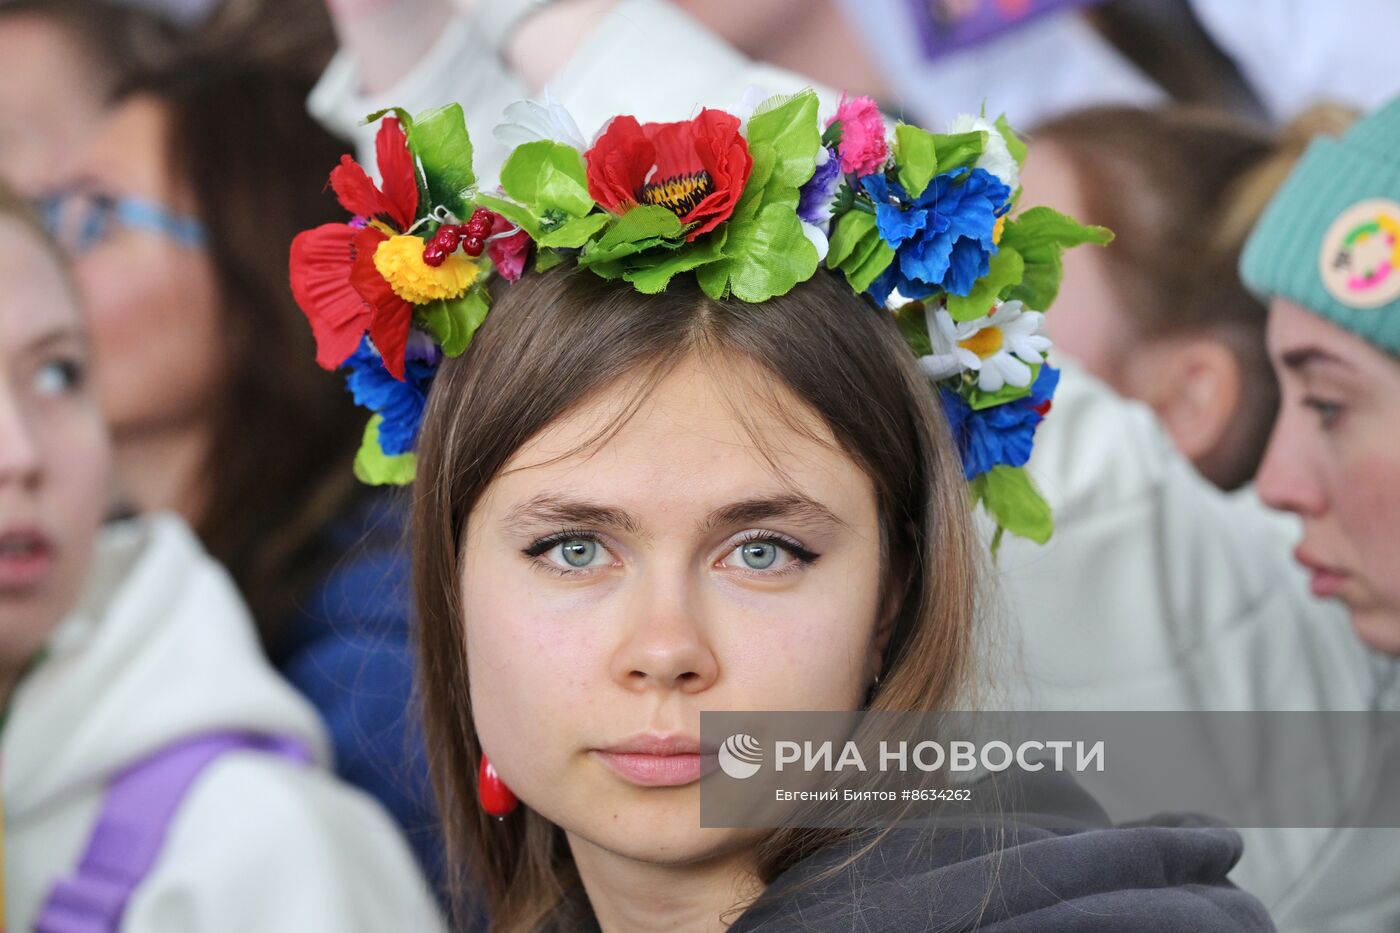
1360, 261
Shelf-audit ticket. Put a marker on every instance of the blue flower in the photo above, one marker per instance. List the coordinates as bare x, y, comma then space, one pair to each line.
1002, 435
943, 239
814, 204
400, 404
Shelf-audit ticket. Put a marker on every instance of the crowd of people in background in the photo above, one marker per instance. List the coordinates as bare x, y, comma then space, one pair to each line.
203, 607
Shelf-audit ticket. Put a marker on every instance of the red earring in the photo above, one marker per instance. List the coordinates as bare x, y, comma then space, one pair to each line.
496, 798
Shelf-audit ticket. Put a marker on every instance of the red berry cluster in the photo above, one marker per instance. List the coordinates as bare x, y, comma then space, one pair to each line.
471, 236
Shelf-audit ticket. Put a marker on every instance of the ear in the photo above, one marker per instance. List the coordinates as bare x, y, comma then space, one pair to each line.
1194, 385
884, 629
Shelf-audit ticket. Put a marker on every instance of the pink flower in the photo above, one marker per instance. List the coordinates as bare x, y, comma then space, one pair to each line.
508, 253
863, 148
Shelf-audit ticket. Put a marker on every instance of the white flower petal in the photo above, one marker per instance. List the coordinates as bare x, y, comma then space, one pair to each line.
996, 155
818, 238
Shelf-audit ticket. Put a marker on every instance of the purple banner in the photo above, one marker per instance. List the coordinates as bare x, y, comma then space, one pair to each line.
948, 25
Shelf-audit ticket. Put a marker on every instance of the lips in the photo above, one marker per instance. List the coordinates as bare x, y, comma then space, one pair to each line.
652, 760
26, 558
1325, 581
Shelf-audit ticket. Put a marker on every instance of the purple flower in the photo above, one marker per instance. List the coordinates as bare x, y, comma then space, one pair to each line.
814, 204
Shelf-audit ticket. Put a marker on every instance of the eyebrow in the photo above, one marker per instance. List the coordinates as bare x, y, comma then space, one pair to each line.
1304, 357
55, 337
547, 509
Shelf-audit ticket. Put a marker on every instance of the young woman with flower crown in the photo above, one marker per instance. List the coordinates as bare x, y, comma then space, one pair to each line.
667, 462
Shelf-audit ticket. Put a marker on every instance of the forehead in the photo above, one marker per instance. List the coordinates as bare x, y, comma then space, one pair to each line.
1293, 328
126, 153
711, 432
35, 298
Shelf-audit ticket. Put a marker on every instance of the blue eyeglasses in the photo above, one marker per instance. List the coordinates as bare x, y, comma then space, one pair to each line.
81, 220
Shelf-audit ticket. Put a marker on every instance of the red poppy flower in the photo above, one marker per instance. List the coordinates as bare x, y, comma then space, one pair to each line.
332, 267
695, 168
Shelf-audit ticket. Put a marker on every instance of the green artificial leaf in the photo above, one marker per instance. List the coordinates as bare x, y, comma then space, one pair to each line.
652, 277
1005, 270
375, 468
1014, 143
913, 324
858, 250
641, 228
766, 255
545, 176
978, 400
789, 130
960, 150
831, 139
575, 232
848, 232
523, 217
439, 138
405, 119
547, 259
915, 157
454, 323
1012, 500
1041, 236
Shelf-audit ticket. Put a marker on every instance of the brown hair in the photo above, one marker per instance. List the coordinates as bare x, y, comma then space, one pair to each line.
279, 465
1181, 187
551, 341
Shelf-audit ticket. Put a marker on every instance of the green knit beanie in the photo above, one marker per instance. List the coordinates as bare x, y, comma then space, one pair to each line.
1330, 238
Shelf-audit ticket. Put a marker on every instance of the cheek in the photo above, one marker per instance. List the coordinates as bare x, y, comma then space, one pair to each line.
809, 649
1368, 509
154, 320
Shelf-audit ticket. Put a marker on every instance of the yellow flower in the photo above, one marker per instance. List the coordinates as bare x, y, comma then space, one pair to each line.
997, 230
400, 260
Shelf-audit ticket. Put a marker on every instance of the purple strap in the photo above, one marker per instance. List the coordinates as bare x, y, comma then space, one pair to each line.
131, 829
949, 25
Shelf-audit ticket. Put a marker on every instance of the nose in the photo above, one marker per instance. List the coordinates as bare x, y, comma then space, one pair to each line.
1288, 479
665, 645
19, 449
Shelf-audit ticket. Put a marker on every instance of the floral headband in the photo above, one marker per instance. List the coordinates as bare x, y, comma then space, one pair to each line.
749, 207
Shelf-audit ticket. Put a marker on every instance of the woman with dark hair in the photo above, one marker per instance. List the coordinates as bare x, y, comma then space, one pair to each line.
178, 214
670, 463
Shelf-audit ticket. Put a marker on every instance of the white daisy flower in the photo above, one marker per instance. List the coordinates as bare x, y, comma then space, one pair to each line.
1000, 348
530, 121
996, 156
948, 358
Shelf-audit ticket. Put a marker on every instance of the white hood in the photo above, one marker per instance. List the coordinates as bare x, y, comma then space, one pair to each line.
160, 648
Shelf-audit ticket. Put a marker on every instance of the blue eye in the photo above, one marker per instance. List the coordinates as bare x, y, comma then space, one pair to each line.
568, 552
766, 552
760, 555
58, 377
579, 552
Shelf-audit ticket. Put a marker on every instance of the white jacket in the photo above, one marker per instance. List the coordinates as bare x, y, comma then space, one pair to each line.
160, 649
1159, 592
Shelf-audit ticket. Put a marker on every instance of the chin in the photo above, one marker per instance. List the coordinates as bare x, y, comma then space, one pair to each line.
656, 825
1378, 628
